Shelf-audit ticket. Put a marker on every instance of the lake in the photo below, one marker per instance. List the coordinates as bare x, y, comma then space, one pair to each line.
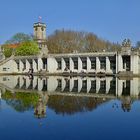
69, 108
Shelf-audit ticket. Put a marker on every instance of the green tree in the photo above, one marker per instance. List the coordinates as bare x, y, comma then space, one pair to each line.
138, 44
20, 101
18, 38
27, 48
7, 51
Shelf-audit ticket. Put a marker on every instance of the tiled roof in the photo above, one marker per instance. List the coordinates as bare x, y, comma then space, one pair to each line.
14, 46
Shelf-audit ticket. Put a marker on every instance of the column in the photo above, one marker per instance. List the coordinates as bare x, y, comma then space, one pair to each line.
79, 84
71, 64
134, 64
108, 70
97, 65
79, 64
71, 84
88, 85
20, 66
108, 80
88, 64
40, 64
34, 82
40, 84
116, 63
97, 85
34, 65
21, 82
27, 66
63, 84
119, 87
134, 87
27, 82
120, 63
63, 64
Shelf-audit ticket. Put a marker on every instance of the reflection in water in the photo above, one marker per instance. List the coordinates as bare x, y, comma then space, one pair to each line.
89, 85
40, 108
67, 95
70, 105
126, 103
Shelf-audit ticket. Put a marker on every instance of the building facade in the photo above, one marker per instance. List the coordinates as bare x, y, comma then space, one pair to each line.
125, 62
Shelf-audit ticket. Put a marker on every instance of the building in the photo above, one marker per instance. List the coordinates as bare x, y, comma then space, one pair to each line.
126, 62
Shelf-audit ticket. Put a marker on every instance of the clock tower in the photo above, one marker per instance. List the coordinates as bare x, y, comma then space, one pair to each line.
40, 35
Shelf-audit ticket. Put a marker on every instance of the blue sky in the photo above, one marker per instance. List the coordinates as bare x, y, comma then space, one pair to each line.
111, 20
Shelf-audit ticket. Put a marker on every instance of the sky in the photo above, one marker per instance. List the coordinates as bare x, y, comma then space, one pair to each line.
111, 20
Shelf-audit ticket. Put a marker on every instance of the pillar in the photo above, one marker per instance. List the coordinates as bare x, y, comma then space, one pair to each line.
108, 70
97, 65
40, 64
71, 64
27, 65
79, 84
120, 63
79, 64
63, 64
88, 64
97, 85
34, 65
20, 66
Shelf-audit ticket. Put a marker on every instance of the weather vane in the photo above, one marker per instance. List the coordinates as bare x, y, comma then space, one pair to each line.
40, 18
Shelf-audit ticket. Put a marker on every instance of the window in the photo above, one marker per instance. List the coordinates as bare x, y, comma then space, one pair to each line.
103, 65
103, 62
67, 63
59, 65
76, 65
18, 65
42, 29
4, 69
93, 62
4, 79
59, 83
24, 65
35, 28
84, 64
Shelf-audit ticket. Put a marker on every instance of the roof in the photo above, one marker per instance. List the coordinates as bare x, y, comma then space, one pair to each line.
13, 46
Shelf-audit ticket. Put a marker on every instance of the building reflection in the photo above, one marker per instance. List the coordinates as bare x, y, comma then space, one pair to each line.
66, 95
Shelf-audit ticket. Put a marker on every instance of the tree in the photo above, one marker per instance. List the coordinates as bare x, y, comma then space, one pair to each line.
27, 48
62, 41
18, 38
138, 44
7, 51
65, 41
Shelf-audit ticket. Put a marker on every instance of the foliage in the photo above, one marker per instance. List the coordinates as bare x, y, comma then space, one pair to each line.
72, 104
27, 48
21, 101
62, 41
7, 51
138, 44
18, 38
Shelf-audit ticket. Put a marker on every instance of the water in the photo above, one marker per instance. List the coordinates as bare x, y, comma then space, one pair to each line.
67, 108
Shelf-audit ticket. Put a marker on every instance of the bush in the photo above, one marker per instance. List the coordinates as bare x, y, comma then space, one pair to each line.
27, 48
7, 51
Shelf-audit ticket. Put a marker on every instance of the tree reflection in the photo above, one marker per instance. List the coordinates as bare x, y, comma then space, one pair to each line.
65, 105
73, 104
21, 101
